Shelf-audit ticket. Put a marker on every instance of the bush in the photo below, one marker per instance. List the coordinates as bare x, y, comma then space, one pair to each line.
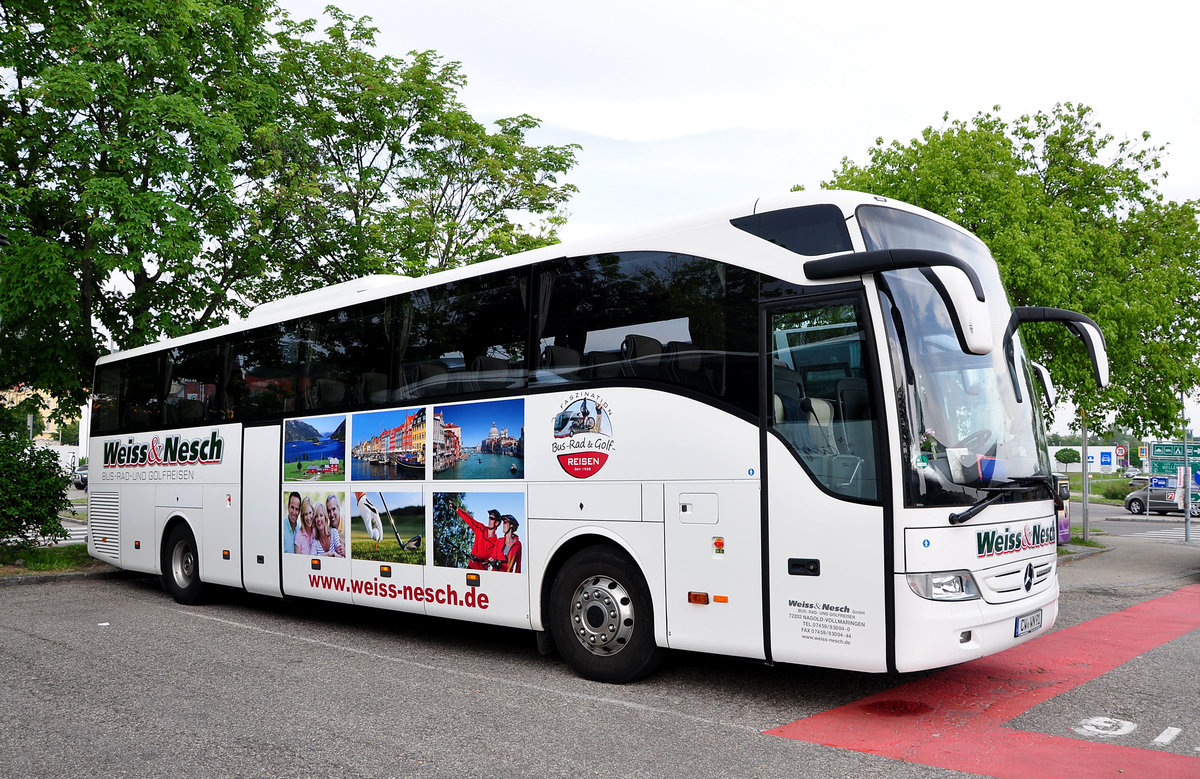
1115, 491
32, 492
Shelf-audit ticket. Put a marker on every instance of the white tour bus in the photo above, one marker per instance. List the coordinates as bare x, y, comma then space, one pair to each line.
801, 431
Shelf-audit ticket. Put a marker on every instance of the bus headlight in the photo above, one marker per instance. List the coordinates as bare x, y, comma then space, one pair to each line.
944, 585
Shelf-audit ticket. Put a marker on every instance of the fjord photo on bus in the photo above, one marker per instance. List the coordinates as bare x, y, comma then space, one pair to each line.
801, 431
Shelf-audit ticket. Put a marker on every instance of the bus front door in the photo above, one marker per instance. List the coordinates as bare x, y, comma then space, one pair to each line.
823, 495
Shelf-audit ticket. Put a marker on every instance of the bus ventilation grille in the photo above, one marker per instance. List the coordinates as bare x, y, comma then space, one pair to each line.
104, 524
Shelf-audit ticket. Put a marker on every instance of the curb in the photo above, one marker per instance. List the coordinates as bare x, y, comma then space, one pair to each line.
1080, 552
59, 576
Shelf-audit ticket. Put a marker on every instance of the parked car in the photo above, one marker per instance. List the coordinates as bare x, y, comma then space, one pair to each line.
79, 477
1130, 472
1160, 503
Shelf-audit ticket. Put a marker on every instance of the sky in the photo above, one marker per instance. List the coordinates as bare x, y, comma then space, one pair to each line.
685, 106
476, 419
681, 107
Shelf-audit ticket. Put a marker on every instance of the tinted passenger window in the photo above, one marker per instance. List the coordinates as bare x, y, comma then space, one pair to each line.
261, 383
194, 373
105, 402
649, 316
467, 337
142, 394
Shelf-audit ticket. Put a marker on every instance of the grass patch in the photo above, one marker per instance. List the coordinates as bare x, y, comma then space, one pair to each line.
1091, 542
48, 558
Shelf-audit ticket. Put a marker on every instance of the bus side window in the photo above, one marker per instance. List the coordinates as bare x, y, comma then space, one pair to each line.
104, 419
821, 405
261, 374
649, 317
142, 394
468, 337
194, 372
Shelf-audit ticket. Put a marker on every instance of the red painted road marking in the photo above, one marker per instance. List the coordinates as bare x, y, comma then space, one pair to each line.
954, 719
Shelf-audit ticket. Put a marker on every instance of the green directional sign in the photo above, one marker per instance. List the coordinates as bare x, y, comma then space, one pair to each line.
1173, 450
1169, 467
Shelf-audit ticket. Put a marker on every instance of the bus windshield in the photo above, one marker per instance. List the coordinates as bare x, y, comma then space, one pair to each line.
969, 423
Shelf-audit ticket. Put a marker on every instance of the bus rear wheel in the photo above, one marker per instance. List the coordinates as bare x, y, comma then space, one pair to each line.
601, 617
181, 566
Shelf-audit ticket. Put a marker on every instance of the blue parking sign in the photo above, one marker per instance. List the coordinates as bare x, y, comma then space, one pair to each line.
1106, 458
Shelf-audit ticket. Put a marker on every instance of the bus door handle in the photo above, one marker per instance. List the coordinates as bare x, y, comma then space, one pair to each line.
803, 567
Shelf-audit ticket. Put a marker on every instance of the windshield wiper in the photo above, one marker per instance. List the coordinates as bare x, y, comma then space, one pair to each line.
996, 493
1041, 481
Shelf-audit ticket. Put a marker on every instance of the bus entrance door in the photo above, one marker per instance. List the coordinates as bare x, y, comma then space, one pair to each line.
825, 520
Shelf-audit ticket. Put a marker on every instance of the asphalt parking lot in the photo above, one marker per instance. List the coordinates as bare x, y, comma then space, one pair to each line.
111, 673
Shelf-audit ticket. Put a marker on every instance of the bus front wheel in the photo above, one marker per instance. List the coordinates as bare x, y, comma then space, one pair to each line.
601, 617
181, 566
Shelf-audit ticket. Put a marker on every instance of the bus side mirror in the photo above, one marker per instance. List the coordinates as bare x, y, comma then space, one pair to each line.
1047, 385
955, 280
972, 324
1084, 328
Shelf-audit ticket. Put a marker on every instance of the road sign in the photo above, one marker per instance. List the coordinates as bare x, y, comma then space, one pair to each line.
1167, 467
1173, 450
1121, 451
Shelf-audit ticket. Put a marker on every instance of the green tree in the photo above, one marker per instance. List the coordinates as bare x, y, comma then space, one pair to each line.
69, 432
123, 130
33, 491
166, 163
374, 166
1075, 220
1067, 456
15, 418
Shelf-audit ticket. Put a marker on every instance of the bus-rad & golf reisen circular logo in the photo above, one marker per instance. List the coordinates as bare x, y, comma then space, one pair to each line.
583, 436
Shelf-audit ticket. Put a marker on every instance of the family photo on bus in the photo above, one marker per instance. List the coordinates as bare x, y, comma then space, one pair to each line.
312, 524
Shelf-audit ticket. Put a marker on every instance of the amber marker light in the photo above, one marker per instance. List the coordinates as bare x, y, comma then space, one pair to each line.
699, 598
137, 544
224, 554
316, 564
720, 599
472, 580
385, 571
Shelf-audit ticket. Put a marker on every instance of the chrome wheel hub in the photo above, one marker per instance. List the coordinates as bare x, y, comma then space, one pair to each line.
183, 564
602, 615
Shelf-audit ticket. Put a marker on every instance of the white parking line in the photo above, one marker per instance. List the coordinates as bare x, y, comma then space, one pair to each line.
1167, 736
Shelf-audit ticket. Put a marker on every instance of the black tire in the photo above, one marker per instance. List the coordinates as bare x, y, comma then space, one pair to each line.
181, 566
1161, 513
1136, 507
601, 617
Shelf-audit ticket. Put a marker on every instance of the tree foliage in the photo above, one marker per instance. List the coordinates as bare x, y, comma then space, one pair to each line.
123, 127
1075, 220
32, 492
374, 165
1067, 456
165, 164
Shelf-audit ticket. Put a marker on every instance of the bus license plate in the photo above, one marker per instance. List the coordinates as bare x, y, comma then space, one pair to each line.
1028, 623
